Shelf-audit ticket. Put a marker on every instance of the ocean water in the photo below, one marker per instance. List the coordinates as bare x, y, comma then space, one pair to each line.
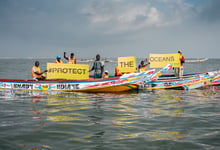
159, 119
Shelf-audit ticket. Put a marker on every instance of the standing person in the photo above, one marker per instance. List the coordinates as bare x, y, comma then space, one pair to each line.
142, 67
98, 67
58, 60
71, 59
179, 71
36, 72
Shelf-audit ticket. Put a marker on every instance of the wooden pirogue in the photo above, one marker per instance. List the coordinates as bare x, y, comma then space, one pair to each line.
126, 82
188, 81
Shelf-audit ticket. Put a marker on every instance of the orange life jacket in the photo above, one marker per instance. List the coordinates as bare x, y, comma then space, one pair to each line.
35, 75
182, 60
142, 69
71, 60
117, 73
59, 62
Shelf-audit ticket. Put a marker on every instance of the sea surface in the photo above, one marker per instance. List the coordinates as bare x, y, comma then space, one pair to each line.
154, 120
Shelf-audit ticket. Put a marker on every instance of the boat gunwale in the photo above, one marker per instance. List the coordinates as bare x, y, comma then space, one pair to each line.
60, 80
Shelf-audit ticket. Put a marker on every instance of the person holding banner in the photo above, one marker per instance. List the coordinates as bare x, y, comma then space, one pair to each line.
36, 72
179, 71
71, 59
142, 67
58, 60
117, 72
98, 67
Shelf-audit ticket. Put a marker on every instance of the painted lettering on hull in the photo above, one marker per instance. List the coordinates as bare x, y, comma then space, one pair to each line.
67, 86
22, 86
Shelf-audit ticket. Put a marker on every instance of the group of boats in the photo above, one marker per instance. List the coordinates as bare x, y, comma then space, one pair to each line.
147, 80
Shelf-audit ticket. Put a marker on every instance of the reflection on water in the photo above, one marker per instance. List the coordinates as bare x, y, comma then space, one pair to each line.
106, 118
207, 93
155, 135
167, 103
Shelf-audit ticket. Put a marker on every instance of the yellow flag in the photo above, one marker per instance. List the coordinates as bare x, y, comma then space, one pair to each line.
161, 60
67, 71
127, 64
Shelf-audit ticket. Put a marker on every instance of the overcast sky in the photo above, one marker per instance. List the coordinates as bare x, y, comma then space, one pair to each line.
112, 28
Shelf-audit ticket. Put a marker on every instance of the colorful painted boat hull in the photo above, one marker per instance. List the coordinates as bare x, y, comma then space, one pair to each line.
215, 80
187, 83
126, 82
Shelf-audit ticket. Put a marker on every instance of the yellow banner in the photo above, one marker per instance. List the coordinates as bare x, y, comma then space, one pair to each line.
161, 60
67, 71
127, 64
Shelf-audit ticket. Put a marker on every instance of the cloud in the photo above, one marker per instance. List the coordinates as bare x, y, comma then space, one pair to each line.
46, 27
211, 13
103, 16
125, 15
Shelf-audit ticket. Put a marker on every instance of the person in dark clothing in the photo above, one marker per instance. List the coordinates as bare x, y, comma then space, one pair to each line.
98, 67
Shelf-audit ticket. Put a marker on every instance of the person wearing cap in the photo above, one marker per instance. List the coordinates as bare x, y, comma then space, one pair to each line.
58, 60
179, 70
71, 59
36, 72
98, 67
105, 75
